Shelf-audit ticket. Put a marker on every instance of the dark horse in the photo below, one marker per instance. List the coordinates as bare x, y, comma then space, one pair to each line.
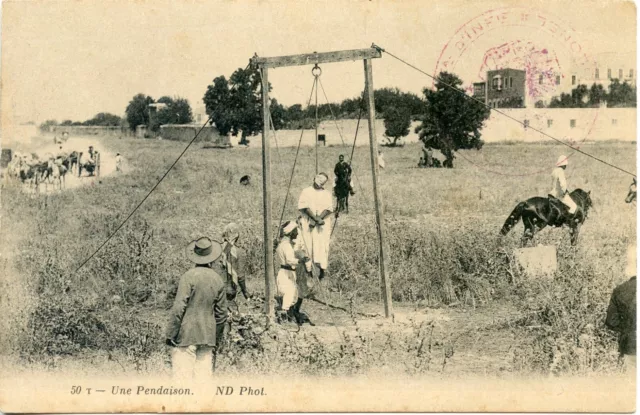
341, 191
539, 212
633, 191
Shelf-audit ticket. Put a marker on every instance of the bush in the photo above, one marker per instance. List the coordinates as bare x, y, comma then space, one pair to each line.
566, 315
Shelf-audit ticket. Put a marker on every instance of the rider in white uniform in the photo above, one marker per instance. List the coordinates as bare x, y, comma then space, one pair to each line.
559, 185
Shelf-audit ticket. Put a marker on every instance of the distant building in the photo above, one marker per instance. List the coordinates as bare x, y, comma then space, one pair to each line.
504, 88
200, 114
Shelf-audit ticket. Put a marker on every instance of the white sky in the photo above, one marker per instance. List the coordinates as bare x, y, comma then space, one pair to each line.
72, 59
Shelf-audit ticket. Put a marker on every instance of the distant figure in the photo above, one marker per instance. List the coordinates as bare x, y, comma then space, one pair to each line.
118, 162
343, 186
199, 313
381, 162
428, 156
621, 314
245, 180
559, 188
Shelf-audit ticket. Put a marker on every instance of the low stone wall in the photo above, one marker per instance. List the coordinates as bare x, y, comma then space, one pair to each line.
82, 130
186, 132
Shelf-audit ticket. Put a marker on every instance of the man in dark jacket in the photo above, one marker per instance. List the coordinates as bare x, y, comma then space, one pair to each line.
199, 312
621, 314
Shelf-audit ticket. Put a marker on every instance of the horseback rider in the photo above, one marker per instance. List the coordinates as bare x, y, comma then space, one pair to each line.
559, 188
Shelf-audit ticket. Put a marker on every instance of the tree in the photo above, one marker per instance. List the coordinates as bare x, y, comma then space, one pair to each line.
396, 123
597, 94
177, 111
182, 110
137, 111
235, 105
452, 121
104, 119
66, 122
511, 102
621, 95
48, 123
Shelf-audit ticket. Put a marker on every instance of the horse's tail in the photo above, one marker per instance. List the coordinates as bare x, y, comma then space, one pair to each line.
513, 218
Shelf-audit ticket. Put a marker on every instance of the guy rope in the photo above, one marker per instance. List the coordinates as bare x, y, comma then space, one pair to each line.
263, 64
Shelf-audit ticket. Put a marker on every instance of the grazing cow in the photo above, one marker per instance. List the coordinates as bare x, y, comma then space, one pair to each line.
245, 180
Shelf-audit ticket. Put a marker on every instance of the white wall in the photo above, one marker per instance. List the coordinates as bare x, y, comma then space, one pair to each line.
592, 124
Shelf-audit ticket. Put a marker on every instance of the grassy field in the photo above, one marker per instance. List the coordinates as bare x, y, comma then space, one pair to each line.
461, 304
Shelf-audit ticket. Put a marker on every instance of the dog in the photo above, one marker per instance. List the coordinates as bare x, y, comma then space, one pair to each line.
245, 180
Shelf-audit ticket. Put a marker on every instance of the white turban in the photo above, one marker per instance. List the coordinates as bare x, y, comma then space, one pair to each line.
320, 179
289, 228
562, 161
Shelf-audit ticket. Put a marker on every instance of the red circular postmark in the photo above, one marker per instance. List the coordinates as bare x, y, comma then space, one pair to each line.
530, 55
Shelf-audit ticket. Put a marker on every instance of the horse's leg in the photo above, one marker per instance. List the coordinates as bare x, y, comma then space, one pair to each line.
528, 231
346, 201
574, 231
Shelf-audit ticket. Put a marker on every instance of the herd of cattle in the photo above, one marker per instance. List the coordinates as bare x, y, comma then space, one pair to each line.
33, 171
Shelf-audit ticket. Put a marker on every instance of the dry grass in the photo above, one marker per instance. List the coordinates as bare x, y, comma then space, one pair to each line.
442, 231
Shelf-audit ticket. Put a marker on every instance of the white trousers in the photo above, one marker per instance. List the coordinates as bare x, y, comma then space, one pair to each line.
192, 361
287, 288
570, 203
316, 240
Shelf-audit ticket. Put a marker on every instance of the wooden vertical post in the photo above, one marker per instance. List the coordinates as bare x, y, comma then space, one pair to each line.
266, 199
384, 281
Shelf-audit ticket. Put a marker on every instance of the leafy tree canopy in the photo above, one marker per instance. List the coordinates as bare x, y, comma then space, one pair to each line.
451, 121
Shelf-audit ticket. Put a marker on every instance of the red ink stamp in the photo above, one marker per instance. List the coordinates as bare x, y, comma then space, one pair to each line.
517, 60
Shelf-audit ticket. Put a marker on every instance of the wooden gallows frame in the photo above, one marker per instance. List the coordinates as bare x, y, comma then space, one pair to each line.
263, 64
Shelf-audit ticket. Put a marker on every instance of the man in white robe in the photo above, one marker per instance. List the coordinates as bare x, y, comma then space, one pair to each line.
316, 206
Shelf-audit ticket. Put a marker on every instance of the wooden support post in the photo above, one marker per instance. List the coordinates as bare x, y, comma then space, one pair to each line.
98, 164
384, 281
266, 199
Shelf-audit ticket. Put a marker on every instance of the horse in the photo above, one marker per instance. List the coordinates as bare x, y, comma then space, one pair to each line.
631, 195
32, 174
56, 172
71, 162
538, 212
341, 190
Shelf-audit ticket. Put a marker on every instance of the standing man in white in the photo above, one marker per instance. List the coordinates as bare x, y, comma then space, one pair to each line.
316, 206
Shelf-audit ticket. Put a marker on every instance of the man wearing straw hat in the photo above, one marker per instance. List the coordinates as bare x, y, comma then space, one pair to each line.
621, 314
559, 187
199, 312
316, 205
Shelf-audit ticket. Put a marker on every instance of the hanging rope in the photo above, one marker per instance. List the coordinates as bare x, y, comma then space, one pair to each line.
507, 115
316, 71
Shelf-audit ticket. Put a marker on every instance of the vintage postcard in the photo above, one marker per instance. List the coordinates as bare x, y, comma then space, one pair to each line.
318, 206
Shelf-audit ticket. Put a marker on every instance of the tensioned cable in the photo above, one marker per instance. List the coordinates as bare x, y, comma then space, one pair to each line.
145, 198
505, 114
150, 191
